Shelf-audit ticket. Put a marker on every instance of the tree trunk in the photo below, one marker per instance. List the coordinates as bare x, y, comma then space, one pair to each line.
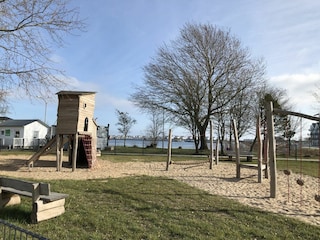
222, 146
196, 142
203, 140
253, 143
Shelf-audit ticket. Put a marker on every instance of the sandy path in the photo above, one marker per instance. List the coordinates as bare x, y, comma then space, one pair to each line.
292, 201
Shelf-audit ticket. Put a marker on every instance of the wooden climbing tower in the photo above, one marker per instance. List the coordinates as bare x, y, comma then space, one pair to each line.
75, 121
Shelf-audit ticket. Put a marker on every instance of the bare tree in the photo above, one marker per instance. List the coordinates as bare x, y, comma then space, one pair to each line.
28, 31
125, 123
155, 129
195, 76
316, 95
241, 108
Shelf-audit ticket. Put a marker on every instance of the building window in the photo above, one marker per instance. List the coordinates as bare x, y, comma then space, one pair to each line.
7, 133
86, 122
2, 132
17, 134
36, 134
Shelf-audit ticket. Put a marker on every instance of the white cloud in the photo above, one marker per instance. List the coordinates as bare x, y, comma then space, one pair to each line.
300, 88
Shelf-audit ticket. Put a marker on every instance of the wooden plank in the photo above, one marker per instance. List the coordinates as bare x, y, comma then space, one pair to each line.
40, 206
18, 184
15, 191
45, 215
252, 166
54, 196
44, 188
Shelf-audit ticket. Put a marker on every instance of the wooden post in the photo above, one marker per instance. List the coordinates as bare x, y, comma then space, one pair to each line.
58, 151
237, 148
70, 147
169, 150
75, 150
259, 141
272, 150
211, 146
217, 150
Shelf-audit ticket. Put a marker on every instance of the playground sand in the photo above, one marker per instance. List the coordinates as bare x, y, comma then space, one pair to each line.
292, 200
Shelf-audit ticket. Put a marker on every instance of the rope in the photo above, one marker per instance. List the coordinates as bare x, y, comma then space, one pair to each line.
288, 171
300, 181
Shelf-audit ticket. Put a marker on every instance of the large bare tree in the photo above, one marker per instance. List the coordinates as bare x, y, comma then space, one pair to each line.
196, 75
29, 29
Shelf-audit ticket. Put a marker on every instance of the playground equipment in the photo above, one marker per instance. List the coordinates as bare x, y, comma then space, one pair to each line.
260, 166
75, 125
211, 157
272, 147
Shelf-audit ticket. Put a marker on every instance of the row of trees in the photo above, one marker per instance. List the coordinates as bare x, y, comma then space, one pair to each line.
203, 75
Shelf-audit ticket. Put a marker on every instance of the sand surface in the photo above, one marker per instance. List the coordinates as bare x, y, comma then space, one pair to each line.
292, 201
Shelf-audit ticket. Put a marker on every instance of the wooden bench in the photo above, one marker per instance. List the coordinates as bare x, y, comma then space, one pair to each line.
249, 157
45, 204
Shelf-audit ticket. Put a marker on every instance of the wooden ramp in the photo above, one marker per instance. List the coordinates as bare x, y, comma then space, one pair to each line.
48, 148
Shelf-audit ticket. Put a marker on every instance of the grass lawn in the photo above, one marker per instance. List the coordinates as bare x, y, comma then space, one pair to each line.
154, 208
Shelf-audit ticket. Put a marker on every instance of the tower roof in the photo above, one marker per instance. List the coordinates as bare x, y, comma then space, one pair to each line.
75, 93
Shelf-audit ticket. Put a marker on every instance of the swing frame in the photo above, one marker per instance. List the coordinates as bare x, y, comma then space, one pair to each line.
272, 146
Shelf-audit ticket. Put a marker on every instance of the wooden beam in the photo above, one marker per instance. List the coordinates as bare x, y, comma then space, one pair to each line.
237, 147
169, 150
259, 141
285, 112
75, 151
217, 150
211, 146
272, 150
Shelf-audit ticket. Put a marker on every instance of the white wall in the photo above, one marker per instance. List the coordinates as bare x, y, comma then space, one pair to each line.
27, 133
33, 127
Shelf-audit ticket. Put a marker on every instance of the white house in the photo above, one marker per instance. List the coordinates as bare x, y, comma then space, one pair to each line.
23, 133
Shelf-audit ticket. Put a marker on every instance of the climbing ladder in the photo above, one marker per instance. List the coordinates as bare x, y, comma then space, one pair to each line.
87, 144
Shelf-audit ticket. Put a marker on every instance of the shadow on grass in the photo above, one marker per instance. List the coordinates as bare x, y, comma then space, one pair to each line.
16, 213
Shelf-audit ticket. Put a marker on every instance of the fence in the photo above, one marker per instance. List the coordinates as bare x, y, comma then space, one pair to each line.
12, 232
22, 143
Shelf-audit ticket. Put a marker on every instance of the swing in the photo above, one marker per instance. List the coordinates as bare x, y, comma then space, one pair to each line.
288, 172
300, 181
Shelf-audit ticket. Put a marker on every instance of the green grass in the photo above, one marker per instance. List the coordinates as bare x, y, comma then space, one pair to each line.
142, 151
154, 208
306, 167
150, 158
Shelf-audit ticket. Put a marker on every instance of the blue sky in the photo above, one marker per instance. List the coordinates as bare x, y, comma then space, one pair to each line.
123, 35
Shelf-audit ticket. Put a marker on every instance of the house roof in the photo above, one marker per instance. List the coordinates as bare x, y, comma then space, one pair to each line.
20, 122
74, 93
4, 119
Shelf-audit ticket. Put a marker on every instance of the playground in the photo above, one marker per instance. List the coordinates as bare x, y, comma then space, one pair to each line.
220, 180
